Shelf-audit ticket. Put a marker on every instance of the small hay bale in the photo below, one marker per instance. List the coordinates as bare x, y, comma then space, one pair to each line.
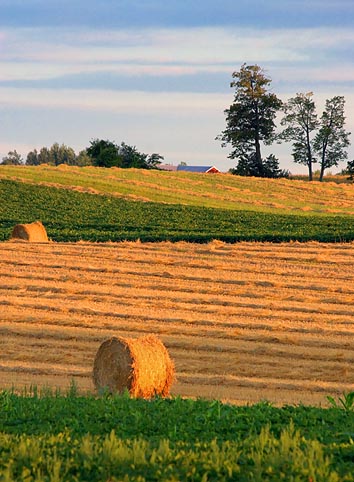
30, 232
140, 365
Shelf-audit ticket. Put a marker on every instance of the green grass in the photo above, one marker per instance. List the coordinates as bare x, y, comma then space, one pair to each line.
55, 437
222, 191
73, 216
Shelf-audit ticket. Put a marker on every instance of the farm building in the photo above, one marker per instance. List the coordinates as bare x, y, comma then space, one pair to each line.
203, 169
167, 167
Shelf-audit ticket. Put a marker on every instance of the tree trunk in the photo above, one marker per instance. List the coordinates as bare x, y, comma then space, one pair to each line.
258, 155
309, 154
323, 165
258, 145
323, 160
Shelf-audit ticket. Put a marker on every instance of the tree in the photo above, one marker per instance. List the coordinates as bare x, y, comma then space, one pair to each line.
83, 159
108, 154
54, 156
32, 158
131, 157
104, 153
62, 155
44, 156
154, 160
301, 120
332, 139
250, 120
13, 158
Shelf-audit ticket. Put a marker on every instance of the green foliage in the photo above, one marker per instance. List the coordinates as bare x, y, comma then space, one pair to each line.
73, 216
54, 156
104, 153
346, 402
13, 158
350, 170
332, 139
250, 119
250, 167
300, 120
55, 437
323, 140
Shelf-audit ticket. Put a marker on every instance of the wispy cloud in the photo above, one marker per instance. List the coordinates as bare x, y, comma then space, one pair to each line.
63, 56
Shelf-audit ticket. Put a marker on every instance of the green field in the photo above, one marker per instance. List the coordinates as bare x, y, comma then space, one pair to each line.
54, 437
72, 216
223, 191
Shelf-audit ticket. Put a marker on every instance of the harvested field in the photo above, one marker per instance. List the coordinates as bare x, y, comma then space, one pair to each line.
242, 322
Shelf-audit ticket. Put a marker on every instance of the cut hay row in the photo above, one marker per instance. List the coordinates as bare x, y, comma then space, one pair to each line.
242, 322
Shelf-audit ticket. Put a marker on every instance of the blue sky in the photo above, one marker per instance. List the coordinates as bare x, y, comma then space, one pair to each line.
156, 74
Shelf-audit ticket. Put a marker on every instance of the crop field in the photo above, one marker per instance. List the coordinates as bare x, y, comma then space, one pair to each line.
243, 322
75, 216
55, 437
222, 191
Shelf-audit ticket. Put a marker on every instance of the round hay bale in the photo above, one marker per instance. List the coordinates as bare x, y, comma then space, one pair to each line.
140, 365
34, 232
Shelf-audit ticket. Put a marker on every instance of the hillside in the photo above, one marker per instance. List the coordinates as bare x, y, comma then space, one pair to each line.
69, 215
222, 191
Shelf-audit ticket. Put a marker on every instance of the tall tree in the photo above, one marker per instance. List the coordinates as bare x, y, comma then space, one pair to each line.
300, 121
44, 156
62, 154
332, 139
250, 120
13, 158
32, 158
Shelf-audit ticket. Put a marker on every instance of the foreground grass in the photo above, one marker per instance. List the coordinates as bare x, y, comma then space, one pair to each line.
56, 437
222, 191
73, 216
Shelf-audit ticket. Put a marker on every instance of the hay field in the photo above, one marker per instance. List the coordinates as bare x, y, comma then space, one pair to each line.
243, 322
223, 191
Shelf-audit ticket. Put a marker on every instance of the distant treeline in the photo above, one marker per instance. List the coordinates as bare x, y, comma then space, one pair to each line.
101, 153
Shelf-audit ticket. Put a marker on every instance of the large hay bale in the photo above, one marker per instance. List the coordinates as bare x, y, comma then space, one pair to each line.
30, 232
140, 365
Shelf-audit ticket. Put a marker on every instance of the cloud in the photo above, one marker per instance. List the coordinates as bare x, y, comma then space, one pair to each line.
193, 56
118, 101
155, 13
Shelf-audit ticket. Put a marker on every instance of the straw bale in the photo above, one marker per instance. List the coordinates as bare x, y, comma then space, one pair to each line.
30, 232
140, 365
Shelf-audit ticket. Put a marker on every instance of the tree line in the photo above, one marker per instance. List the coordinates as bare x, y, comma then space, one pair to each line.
250, 121
100, 153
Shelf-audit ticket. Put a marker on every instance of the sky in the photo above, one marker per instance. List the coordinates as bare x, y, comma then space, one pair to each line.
156, 74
